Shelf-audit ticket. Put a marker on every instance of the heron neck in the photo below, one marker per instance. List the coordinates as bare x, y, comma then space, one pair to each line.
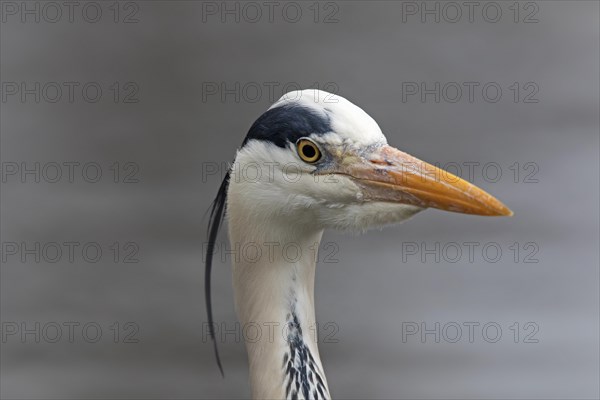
274, 295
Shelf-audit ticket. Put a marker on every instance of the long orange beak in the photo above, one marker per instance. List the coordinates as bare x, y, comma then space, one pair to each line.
388, 174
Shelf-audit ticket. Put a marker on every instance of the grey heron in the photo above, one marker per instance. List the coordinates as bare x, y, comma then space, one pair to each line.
323, 163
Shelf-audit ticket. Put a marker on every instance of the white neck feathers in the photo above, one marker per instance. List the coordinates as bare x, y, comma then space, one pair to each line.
273, 282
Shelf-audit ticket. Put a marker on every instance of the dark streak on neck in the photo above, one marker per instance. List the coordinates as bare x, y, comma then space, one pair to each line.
301, 372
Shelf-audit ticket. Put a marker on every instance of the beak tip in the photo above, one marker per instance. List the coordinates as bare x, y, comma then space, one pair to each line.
503, 211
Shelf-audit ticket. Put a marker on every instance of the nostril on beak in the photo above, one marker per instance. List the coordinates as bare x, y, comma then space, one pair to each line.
380, 161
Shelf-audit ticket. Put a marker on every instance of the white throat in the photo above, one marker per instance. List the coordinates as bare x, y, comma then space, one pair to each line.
273, 279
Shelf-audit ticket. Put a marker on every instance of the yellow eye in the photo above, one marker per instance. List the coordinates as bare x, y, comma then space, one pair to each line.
308, 151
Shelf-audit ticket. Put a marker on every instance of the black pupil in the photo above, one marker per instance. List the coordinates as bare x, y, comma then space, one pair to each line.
309, 151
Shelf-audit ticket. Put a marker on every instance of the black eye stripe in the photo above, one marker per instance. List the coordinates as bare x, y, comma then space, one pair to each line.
287, 124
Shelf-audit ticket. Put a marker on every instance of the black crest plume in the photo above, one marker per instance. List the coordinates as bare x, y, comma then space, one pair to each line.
217, 213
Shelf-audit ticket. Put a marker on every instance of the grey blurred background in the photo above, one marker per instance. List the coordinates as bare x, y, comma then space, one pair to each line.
171, 128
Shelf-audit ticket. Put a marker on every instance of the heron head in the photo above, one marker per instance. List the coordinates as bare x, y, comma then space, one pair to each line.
318, 160
314, 161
